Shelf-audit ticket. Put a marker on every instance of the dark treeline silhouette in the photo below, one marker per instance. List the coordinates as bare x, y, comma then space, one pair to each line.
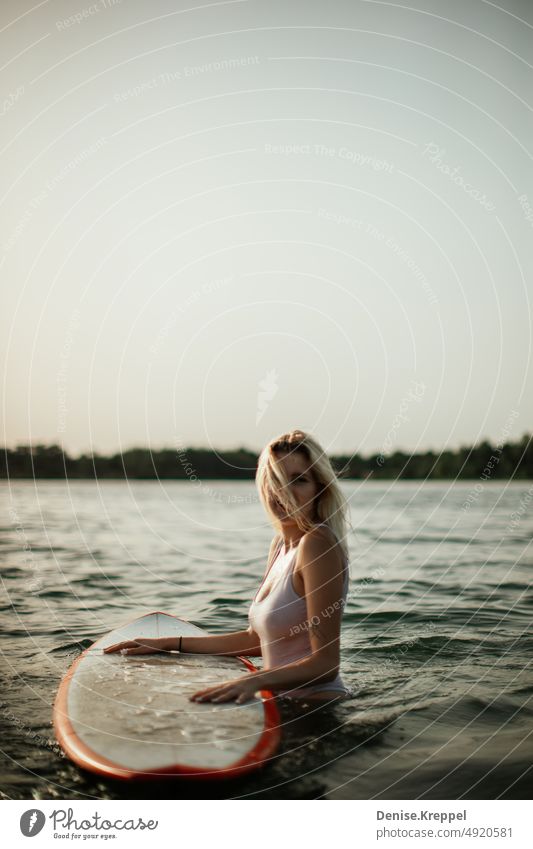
483, 461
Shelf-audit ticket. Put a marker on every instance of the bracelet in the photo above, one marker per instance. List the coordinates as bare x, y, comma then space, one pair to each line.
179, 645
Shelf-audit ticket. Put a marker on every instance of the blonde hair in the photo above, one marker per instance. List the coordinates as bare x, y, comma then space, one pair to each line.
271, 480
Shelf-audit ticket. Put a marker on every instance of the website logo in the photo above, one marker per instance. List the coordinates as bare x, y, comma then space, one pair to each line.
31, 822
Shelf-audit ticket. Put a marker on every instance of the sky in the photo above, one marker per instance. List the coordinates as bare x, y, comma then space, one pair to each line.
220, 221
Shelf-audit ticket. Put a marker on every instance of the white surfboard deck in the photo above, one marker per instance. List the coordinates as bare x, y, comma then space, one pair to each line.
131, 717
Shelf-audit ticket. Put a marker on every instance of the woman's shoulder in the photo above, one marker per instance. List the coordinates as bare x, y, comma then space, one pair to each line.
320, 533
320, 540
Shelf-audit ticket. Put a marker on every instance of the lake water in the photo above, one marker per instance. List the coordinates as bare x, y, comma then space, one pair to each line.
436, 642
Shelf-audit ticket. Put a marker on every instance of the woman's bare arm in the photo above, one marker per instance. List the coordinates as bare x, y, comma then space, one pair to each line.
232, 644
235, 643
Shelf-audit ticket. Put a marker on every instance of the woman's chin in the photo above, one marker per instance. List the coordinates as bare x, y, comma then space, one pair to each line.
286, 519
282, 515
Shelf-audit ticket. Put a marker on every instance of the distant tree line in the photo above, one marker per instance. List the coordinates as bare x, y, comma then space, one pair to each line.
483, 461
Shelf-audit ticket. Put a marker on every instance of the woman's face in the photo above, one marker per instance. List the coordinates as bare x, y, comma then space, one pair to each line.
303, 487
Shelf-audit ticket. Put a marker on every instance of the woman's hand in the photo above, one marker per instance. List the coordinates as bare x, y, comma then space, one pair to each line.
141, 645
239, 690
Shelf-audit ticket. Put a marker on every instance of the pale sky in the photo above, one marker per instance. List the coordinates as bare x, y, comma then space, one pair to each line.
220, 221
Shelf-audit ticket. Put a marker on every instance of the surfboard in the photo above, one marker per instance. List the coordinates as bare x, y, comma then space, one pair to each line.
129, 717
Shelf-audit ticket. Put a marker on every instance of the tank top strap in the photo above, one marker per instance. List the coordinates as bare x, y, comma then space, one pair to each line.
278, 548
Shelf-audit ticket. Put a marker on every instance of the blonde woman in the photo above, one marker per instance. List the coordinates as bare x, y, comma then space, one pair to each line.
295, 617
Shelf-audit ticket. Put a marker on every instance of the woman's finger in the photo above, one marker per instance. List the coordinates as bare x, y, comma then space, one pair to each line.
229, 693
128, 644
224, 697
205, 695
215, 688
208, 692
201, 693
117, 646
139, 650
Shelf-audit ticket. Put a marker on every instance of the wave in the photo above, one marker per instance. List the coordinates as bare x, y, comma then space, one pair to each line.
68, 648
444, 645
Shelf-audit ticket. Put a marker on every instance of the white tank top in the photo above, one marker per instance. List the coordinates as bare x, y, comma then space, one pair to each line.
280, 621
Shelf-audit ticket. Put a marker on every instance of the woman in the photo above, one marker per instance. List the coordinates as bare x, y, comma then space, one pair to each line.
295, 617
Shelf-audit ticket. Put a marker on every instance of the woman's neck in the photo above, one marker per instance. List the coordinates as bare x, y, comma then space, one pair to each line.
292, 536
291, 539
